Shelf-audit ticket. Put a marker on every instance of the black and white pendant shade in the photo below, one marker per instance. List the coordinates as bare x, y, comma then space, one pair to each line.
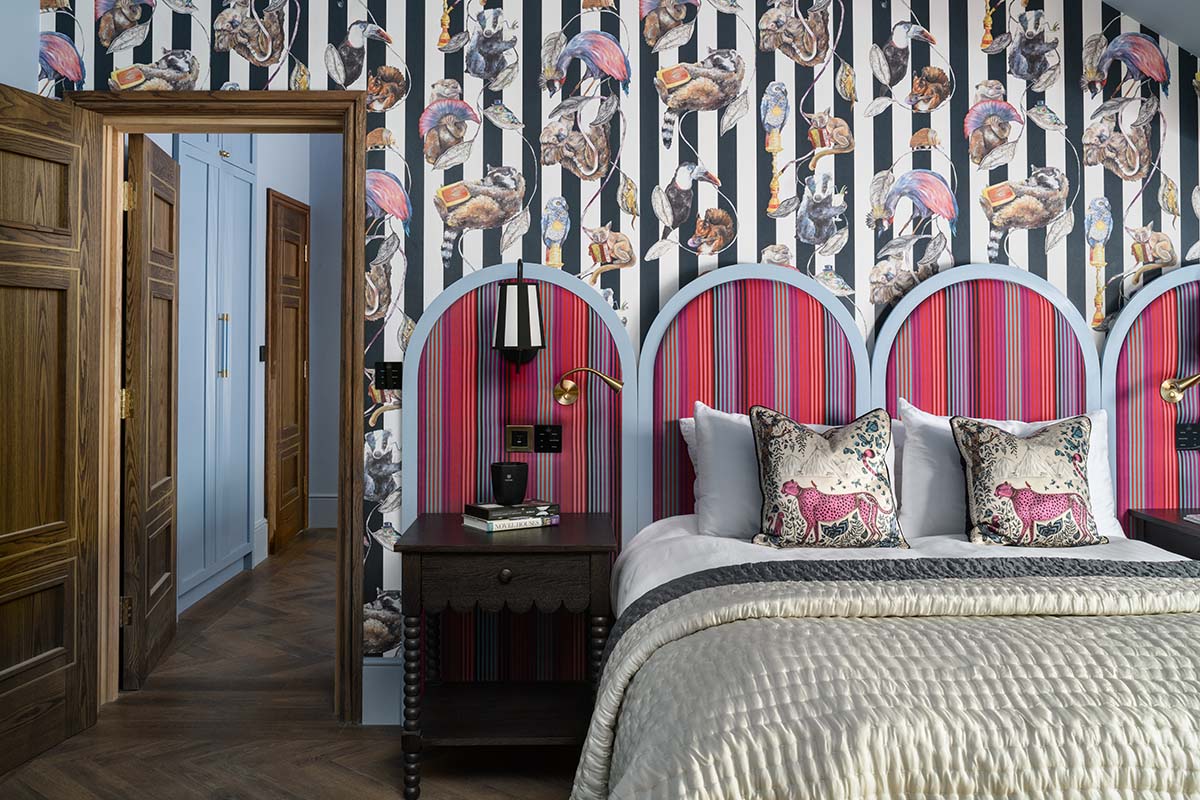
518, 334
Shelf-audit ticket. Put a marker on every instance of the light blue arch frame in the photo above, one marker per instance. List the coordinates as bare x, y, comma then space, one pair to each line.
886, 339
1116, 340
471, 282
666, 315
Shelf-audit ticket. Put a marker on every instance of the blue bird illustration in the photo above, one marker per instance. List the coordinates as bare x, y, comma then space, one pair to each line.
556, 225
774, 108
1098, 224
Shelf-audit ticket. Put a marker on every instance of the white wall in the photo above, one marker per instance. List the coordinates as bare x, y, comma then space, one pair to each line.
19, 44
324, 327
283, 160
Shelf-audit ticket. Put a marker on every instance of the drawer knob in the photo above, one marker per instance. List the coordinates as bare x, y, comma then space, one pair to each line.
505, 575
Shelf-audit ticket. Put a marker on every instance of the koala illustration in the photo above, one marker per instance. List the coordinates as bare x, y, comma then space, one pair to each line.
1125, 153
381, 470
820, 211
487, 53
489, 203
584, 155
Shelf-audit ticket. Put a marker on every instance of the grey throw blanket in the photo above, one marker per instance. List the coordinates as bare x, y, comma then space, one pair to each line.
915, 678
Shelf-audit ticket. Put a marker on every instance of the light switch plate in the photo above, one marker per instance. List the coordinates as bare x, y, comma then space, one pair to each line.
518, 438
547, 438
1187, 436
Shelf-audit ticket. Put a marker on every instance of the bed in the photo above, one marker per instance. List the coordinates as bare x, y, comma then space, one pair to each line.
945, 670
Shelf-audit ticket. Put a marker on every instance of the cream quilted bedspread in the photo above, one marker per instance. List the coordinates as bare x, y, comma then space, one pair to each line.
1031, 687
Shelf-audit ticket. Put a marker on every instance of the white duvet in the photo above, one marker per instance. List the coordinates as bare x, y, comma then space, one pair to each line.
673, 547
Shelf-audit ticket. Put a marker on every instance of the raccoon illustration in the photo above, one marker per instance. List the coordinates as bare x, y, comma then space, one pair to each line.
1038, 199
489, 203
175, 70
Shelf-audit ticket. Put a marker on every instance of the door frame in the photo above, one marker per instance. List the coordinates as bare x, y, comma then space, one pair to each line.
271, 407
261, 112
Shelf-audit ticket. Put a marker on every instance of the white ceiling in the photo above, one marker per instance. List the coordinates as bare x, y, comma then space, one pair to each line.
1177, 20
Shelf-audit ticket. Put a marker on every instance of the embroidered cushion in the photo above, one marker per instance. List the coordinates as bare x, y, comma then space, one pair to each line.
825, 489
1030, 491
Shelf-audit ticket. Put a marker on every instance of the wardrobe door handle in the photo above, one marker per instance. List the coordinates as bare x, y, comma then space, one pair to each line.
224, 153
223, 346
505, 576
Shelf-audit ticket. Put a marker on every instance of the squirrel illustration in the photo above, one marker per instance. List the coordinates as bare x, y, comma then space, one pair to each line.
386, 87
836, 132
930, 88
615, 248
713, 232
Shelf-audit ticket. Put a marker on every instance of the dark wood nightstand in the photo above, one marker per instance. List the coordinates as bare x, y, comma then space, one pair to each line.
1166, 528
446, 565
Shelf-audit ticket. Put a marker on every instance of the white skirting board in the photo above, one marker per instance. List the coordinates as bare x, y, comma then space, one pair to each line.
383, 691
322, 510
261, 543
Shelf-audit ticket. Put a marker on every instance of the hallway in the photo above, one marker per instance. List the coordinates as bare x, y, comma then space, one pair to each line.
241, 707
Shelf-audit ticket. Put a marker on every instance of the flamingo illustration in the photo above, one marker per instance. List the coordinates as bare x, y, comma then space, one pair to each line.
599, 51
386, 197
1140, 54
929, 193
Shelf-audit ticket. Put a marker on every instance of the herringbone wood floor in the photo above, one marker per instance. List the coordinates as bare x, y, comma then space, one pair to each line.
241, 707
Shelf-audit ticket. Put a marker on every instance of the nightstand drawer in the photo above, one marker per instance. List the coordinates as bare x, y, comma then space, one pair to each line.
493, 581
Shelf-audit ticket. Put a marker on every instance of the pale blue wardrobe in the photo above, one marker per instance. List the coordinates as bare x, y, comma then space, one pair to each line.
216, 360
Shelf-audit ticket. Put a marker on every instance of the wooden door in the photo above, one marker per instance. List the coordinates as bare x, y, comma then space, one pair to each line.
50, 278
287, 368
148, 497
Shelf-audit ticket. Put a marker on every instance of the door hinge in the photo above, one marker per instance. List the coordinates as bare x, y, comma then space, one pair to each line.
126, 611
126, 404
128, 197
306, 369
306, 253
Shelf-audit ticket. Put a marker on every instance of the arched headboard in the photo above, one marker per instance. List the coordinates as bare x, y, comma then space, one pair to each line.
987, 340
739, 336
1157, 336
459, 394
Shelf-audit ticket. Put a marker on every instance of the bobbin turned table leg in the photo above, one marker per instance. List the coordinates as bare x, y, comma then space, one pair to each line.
412, 707
597, 639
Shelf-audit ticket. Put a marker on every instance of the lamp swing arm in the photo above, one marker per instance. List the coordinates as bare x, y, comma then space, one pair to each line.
1173, 389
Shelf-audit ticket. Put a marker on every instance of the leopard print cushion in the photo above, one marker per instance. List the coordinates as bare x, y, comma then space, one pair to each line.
1030, 491
827, 489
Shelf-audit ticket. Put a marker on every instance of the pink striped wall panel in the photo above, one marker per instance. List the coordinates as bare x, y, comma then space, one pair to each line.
988, 348
744, 343
1163, 342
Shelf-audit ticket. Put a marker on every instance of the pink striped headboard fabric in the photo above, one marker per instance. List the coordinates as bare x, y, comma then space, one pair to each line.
466, 395
744, 343
988, 348
1164, 342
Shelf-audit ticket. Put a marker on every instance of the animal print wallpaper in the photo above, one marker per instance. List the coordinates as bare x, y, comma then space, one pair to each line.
868, 143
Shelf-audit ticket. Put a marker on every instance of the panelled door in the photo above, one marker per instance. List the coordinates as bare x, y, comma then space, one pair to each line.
148, 497
50, 277
287, 372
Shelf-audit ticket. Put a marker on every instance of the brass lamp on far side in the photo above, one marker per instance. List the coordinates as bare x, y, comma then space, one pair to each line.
566, 391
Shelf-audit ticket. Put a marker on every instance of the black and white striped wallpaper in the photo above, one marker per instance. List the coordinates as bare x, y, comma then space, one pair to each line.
642, 145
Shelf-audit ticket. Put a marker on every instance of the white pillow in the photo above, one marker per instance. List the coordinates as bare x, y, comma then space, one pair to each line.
728, 496
935, 489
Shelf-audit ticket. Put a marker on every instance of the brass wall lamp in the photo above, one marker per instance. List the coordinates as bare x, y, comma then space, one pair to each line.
566, 391
1173, 389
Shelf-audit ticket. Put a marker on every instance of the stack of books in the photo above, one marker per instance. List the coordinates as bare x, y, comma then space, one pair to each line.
493, 517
